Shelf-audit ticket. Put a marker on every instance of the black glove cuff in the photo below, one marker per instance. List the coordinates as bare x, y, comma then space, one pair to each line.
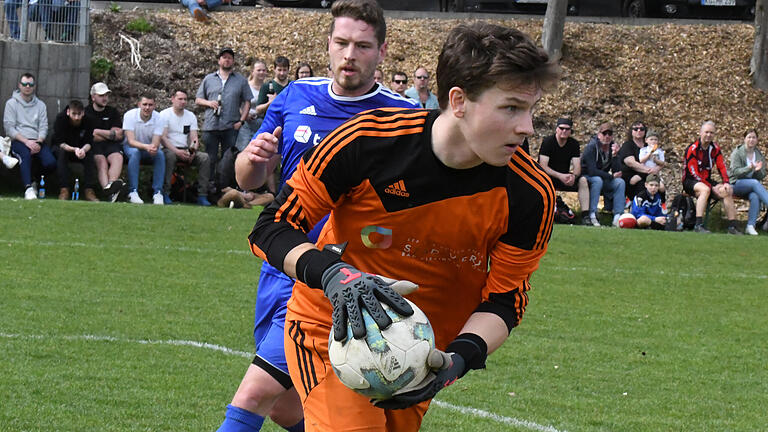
313, 263
472, 348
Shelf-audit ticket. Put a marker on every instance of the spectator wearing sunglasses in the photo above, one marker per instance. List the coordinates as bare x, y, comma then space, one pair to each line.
420, 90
399, 83
560, 156
26, 122
602, 170
633, 171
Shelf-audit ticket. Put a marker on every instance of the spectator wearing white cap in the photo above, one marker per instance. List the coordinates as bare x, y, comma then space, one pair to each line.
104, 127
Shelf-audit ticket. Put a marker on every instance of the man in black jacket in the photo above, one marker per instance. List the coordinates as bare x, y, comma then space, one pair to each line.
74, 145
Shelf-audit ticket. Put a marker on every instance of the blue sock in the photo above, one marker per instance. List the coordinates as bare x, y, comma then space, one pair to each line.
240, 420
298, 427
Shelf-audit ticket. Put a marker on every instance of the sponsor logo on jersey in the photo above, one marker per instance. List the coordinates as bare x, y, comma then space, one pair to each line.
375, 237
398, 189
302, 134
310, 110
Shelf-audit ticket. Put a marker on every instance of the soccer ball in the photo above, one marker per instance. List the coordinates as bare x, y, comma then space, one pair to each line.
384, 362
627, 220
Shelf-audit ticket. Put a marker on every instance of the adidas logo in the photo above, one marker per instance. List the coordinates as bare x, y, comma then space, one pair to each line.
391, 365
398, 189
310, 110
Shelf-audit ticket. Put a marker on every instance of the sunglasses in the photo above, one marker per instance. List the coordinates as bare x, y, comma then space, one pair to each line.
400, 81
422, 76
607, 132
564, 128
638, 129
27, 84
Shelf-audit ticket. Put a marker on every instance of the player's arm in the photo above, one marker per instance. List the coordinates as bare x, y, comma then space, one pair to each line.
261, 156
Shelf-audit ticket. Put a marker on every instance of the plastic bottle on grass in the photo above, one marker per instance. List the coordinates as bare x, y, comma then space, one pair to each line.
41, 189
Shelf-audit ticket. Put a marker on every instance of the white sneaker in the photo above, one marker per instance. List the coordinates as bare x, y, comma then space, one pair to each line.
9, 162
134, 198
593, 219
157, 198
30, 193
616, 220
750, 230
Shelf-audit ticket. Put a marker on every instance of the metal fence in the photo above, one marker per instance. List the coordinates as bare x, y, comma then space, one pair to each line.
46, 20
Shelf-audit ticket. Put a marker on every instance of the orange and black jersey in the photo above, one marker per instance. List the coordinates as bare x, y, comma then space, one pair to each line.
470, 238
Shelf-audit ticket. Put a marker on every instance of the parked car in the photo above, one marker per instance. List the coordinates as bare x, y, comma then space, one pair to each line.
741, 9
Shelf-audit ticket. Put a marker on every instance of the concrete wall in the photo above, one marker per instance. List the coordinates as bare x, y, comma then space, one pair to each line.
62, 72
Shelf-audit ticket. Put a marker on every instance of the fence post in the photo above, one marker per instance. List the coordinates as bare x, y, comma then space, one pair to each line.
84, 21
24, 21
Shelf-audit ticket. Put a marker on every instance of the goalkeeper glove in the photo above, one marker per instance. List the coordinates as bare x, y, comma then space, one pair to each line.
467, 351
350, 289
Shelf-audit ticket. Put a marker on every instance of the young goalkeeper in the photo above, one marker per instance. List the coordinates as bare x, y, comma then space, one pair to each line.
439, 198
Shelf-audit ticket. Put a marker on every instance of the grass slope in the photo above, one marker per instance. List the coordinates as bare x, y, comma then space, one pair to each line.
626, 330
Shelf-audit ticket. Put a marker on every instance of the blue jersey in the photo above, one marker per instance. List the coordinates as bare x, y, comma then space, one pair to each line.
308, 110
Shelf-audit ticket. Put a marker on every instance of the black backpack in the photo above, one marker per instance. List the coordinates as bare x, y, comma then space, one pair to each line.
682, 214
563, 213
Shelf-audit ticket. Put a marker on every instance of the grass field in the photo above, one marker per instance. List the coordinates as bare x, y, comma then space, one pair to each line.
104, 310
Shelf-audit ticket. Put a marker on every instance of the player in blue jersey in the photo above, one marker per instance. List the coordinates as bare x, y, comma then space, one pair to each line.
298, 119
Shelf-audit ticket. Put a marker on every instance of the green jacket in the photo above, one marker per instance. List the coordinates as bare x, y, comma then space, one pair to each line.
739, 168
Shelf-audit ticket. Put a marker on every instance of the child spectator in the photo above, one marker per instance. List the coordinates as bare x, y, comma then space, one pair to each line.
646, 206
652, 156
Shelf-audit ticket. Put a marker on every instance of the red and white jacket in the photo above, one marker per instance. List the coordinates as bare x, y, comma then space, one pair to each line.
699, 163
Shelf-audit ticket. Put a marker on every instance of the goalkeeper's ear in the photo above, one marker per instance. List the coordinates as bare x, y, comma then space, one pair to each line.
402, 287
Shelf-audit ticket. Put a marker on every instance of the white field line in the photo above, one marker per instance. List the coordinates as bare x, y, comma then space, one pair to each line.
495, 417
474, 412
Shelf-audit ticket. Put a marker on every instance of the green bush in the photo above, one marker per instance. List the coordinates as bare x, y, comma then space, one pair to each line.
100, 68
114, 7
139, 25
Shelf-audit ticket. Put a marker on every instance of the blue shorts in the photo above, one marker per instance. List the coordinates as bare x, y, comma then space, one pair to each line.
272, 297
269, 321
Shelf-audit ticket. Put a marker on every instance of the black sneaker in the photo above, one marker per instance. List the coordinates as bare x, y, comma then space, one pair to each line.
701, 229
586, 221
734, 231
113, 189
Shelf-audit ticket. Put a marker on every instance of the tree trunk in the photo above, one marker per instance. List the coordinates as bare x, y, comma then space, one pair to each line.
759, 64
554, 25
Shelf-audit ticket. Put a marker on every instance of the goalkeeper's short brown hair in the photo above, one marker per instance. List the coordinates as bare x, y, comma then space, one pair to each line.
478, 56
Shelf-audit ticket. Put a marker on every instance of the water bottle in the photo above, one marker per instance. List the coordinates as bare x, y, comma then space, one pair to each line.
41, 189
76, 190
217, 111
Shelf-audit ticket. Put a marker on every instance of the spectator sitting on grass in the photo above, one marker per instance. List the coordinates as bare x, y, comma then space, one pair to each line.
646, 206
143, 127
601, 169
747, 170
69, 135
